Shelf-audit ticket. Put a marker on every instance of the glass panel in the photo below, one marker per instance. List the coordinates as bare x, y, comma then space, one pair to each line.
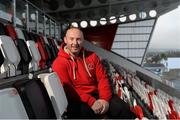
141, 23
136, 52
32, 18
41, 20
6, 10
122, 52
131, 37
136, 60
57, 31
134, 30
129, 45
47, 26
21, 13
52, 29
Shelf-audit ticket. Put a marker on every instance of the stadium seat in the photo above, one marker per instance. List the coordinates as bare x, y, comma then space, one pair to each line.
55, 91
33, 65
20, 34
35, 99
10, 54
1, 58
22, 48
42, 51
11, 106
53, 46
52, 49
48, 51
56, 43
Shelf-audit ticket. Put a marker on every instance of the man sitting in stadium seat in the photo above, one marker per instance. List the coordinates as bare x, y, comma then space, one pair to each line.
85, 81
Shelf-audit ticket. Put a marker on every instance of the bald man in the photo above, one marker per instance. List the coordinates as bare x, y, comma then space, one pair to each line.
85, 81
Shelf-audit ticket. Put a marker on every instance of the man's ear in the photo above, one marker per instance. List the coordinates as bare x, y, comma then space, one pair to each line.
65, 40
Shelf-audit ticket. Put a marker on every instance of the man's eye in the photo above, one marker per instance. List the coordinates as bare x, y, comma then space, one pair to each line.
79, 39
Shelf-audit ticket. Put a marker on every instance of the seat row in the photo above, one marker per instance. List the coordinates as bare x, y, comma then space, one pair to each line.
22, 52
158, 103
41, 97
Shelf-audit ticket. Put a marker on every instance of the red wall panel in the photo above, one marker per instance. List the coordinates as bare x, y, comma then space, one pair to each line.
102, 36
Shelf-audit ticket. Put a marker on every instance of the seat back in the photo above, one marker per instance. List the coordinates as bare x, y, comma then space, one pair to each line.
10, 31
55, 42
10, 54
35, 99
2, 32
55, 91
11, 106
24, 51
42, 51
47, 50
36, 57
1, 58
20, 34
22, 48
25, 56
26, 35
55, 47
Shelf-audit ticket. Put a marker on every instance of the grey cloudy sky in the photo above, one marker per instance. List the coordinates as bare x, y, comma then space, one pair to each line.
167, 31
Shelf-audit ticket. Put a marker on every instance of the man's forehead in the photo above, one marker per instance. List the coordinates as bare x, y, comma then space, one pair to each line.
75, 32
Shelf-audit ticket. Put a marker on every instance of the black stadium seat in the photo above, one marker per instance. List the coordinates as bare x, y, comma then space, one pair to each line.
53, 48
35, 99
22, 48
1, 58
26, 35
35, 54
2, 32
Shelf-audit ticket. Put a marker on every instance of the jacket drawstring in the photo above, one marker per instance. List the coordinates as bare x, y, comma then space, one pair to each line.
75, 67
85, 64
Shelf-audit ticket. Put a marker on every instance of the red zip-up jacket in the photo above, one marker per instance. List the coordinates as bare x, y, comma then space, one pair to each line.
77, 82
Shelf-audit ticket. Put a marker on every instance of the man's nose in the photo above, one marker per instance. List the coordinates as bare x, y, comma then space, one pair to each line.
75, 41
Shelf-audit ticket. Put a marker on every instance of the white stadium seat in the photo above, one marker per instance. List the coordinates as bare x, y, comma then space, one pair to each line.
11, 106
55, 91
11, 55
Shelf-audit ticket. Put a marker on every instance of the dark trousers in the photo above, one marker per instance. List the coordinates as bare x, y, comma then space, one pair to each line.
118, 109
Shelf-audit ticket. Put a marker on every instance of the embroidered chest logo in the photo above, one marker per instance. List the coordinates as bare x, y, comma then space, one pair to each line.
90, 66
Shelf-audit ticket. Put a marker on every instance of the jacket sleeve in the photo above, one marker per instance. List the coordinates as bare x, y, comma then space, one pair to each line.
103, 81
71, 92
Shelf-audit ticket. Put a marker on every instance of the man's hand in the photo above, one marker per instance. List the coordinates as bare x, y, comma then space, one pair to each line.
97, 107
105, 105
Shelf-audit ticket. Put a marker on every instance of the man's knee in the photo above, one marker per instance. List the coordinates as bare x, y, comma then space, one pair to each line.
120, 109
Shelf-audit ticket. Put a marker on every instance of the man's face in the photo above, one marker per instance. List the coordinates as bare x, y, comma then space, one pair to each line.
74, 40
